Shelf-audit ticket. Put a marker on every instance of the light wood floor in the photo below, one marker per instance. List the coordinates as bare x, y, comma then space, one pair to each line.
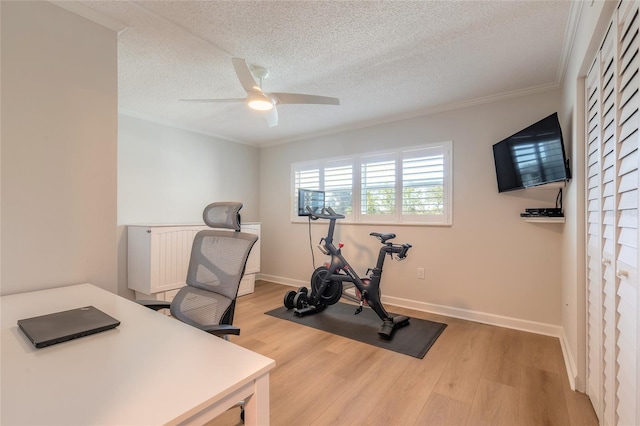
474, 374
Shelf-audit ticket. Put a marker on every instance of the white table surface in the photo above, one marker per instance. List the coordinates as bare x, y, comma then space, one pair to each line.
150, 370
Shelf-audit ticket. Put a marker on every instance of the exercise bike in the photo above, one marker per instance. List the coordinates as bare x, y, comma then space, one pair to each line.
329, 282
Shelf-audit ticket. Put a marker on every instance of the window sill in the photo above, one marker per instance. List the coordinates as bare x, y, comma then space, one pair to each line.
347, 222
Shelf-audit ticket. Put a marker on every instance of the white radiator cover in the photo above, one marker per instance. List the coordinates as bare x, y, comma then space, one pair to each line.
158, 257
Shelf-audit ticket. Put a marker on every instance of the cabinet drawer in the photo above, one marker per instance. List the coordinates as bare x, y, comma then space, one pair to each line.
247, 285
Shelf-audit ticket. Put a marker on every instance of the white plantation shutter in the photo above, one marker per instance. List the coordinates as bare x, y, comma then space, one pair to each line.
334, 177
338, 187
408, 185
307, 179
378, 187
424, 182
613, 119
304, 178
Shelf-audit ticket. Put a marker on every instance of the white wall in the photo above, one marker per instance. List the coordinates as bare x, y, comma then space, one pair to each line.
168, 175
489, 261
592, 26
59, 130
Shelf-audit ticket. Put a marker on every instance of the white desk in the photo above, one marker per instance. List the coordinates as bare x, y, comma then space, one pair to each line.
150, 370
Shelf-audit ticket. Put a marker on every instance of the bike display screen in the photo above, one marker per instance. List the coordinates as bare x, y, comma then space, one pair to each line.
312, 198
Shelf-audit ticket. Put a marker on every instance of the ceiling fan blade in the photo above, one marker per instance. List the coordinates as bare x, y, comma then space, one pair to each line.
244, 75
272, 117
298, 98
213, 100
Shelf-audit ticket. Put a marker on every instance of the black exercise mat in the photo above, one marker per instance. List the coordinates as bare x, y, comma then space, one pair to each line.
413, 340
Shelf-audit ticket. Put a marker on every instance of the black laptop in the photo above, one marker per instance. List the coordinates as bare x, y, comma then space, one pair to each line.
47, 330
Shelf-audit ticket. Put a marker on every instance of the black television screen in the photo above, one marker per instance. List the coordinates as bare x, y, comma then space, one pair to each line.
533, 156
311, 198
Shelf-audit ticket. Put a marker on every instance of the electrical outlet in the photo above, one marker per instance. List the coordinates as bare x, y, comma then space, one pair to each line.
421, 273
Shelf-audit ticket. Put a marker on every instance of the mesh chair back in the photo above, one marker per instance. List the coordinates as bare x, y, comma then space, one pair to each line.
217, 263
218, 259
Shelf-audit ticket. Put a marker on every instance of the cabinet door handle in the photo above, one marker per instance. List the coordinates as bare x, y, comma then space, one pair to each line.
622, 273
606, 261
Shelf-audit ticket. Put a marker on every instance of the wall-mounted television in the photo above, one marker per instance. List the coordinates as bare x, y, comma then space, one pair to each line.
311, 198
533, 156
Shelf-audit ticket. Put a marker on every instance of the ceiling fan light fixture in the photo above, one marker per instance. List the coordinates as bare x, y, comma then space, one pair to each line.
266, 103
260, 103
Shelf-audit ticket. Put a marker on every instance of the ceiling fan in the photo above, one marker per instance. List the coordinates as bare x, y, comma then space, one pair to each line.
259, 100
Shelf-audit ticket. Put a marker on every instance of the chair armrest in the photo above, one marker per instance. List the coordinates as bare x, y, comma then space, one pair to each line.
221, 329
156, 305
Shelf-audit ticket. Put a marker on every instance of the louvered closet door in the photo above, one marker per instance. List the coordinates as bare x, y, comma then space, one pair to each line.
607, 211
612, 129
594, 274
627, 215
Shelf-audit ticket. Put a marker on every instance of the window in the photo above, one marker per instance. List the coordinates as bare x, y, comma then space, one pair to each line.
378, 186
408, 185
338, 187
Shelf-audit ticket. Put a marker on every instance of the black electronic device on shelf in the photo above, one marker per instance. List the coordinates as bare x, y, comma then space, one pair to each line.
542, 212
545, 211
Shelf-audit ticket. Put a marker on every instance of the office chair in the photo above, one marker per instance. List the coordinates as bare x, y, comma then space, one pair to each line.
216, 266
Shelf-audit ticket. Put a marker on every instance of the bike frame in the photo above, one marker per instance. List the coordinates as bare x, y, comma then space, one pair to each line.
341, 271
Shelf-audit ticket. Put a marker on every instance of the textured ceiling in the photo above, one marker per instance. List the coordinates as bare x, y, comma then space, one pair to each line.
384, 60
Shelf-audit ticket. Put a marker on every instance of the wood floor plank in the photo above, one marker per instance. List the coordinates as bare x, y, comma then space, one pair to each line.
579, 409
504, 357
541, 352
440, 410
542, 400
408, 395
460, 378
310, 387
365, 389
474, 374
579, 406
494, 404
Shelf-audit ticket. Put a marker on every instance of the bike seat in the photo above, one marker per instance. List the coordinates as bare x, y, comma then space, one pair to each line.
383, 237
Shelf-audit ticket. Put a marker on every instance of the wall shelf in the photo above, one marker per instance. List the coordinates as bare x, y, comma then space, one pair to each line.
544, 219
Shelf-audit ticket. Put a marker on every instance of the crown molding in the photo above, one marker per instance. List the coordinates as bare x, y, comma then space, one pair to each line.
92, 15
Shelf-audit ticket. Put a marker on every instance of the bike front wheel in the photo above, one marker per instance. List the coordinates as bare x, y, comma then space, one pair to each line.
332, 292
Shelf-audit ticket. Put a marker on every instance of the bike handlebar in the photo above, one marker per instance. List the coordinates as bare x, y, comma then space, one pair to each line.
399, 249
323, 214
404, 250
328, 213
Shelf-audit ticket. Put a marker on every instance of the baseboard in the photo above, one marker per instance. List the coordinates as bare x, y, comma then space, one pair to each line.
569, 362
465, 314
482, 317
282, 280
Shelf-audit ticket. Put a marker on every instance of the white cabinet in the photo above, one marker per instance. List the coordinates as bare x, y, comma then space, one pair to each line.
158, 259
253, 262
